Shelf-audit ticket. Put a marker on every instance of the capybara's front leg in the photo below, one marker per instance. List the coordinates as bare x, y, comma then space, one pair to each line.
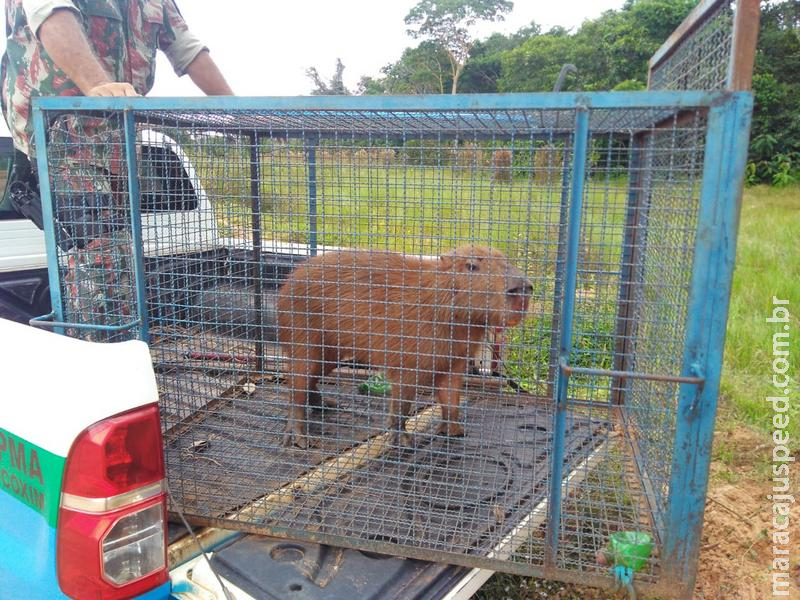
448, 395
315, 397
296, 426
303, 393
399, 407
297, 417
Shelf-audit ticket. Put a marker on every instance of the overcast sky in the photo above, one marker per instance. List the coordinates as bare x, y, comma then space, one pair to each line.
265, 47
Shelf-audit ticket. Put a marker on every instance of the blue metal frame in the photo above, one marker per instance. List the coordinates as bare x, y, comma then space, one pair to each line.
547, 100
627, 374
46, 196
134, 200
47, 322
580, 146
552, 371
712, 273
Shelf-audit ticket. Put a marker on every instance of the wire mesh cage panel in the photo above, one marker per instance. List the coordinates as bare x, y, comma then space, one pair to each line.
701, 62
469, 329
713, 49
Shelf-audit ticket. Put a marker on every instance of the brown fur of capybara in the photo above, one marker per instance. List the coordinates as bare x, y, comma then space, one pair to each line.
419, 320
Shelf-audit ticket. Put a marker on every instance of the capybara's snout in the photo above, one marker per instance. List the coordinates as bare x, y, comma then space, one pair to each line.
518, 285
492, 282
518, 293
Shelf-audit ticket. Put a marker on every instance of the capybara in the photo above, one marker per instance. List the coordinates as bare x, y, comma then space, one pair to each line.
417, 319
501, 165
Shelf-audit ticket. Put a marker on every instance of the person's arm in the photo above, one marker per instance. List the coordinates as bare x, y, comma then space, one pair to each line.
64, 40
189, 55
206, 75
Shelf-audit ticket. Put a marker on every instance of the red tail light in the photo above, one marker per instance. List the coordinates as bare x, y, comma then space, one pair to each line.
111, 540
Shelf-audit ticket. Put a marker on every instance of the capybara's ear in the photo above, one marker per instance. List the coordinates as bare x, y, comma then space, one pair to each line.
447, 260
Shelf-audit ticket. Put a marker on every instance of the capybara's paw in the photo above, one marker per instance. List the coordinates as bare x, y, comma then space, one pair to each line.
402, 439
450, 429
290, 440
295, 436
317, 400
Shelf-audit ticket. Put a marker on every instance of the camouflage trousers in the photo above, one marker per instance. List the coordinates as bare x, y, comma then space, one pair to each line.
93, 233
92, 225
99, 288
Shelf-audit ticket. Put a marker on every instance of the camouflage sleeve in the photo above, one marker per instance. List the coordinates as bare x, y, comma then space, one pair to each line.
177, 42
37, 11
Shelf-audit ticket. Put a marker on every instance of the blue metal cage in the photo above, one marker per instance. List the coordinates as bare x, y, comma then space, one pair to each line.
177, 221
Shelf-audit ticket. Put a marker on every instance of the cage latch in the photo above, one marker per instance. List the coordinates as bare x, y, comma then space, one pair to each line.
568, 370
47, 322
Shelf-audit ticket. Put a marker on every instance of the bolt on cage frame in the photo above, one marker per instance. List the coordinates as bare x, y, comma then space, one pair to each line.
676, 514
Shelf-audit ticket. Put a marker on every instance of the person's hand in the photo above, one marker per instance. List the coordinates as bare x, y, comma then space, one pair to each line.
113, 88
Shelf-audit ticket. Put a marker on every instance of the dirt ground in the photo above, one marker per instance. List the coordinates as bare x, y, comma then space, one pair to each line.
736, 555
736, 552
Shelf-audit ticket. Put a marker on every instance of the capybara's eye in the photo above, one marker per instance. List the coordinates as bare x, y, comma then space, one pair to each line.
472, 266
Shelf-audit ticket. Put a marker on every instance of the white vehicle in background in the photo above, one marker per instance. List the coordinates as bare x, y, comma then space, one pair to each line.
81, 449
173, 207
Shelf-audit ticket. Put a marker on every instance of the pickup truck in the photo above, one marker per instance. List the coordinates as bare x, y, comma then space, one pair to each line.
83, 492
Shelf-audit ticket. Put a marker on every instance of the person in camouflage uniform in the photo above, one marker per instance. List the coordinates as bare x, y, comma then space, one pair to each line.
93, 48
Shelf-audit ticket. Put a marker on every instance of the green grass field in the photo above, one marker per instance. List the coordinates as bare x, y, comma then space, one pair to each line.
767, 265
408, 204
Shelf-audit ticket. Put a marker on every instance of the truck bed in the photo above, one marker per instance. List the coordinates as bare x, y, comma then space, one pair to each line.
225, 457
223, 414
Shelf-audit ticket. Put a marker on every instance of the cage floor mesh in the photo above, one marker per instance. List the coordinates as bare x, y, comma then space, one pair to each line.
225, 459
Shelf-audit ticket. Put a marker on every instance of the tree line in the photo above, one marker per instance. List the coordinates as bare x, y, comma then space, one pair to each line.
610, 53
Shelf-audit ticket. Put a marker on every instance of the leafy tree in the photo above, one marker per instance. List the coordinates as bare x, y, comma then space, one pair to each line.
534, 66
629, 85
370, 86
447, 24
336, 85
420, 70
608, 50
484, 66
775, 139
